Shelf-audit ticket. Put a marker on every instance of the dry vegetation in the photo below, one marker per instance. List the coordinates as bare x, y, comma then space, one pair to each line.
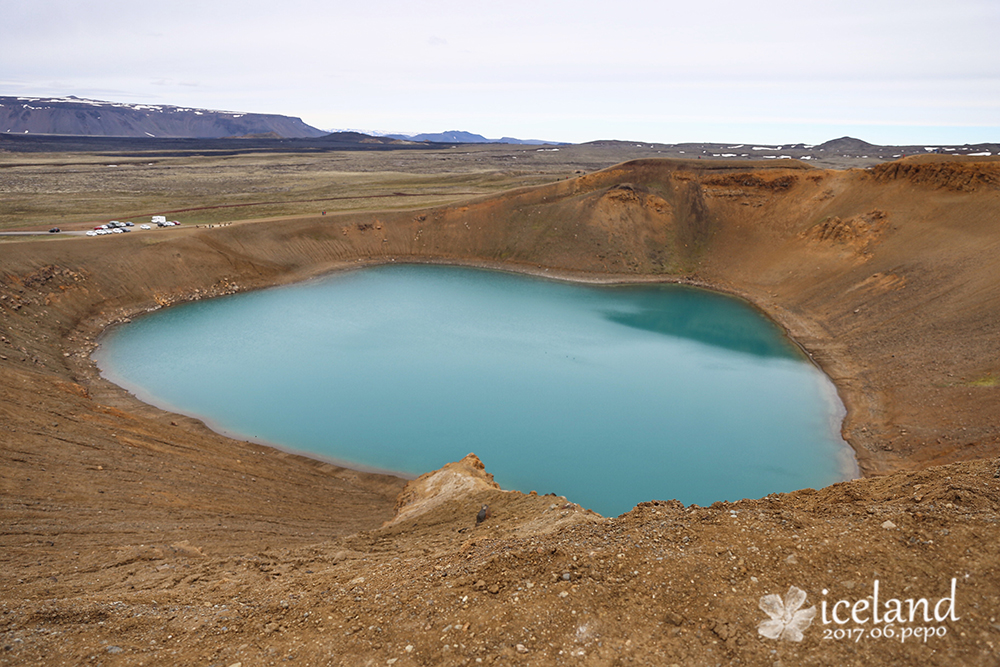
77, 190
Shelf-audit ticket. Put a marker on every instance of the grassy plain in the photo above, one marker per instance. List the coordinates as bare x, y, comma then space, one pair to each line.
76, 190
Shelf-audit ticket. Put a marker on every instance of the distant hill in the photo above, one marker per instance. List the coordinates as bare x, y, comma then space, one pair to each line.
463, 137
79, 117
361, 138
847, 144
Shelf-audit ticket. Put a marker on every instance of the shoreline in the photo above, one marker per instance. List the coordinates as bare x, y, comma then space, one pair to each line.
847, 463
146, 398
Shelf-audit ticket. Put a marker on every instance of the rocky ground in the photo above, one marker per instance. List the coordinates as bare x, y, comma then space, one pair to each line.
134, 536
540, 582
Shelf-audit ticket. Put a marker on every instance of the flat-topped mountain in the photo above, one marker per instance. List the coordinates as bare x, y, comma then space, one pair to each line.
75, 116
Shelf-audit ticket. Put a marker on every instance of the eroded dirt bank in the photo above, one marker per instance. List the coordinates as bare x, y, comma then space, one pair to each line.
135, 536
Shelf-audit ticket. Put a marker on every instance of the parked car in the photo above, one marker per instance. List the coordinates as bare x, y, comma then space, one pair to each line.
91, 232
144, 227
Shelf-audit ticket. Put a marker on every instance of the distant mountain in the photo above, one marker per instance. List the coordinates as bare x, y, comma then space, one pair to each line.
463, 137
79, 117
449, 137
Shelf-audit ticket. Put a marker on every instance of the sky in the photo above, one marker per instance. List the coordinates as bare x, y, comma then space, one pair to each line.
771, 71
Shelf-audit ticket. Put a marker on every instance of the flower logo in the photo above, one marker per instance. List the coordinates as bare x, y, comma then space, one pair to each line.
787, 620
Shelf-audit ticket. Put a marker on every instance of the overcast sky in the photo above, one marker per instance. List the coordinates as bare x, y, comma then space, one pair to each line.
770, 71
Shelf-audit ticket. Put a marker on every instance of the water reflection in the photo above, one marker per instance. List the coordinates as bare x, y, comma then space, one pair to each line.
688, 314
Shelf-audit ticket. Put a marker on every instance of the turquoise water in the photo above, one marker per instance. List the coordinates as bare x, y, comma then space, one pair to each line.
609, 396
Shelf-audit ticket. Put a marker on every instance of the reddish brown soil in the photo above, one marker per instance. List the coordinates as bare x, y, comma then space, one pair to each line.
133, 536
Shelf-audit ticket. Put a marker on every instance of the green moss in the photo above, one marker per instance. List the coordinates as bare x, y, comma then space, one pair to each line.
988, 380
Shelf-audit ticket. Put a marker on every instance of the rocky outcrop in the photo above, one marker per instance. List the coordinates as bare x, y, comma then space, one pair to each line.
857, 233
453, 481
953, 173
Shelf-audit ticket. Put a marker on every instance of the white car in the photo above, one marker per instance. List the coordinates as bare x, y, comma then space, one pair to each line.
144, 227
91, 233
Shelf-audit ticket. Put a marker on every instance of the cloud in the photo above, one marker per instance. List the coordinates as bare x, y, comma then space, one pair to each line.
849, 61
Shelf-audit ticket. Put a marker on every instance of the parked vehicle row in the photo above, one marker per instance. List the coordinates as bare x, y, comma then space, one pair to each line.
102, 232
116, 227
